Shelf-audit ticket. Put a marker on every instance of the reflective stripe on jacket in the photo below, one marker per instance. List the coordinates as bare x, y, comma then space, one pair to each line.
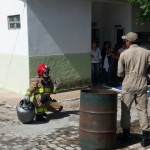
37, 87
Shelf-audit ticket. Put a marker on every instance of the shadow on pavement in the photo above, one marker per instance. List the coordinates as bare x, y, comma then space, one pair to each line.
135, 138
59, 115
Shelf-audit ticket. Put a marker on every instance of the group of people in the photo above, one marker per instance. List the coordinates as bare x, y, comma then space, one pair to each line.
104, 62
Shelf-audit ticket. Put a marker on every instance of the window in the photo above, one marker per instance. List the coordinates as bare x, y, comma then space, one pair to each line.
14, 22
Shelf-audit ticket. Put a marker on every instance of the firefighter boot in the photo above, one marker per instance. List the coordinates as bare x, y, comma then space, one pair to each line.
44, 114
40, 118
145, 138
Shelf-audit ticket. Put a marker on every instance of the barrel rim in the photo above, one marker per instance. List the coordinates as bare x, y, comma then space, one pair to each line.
99, 91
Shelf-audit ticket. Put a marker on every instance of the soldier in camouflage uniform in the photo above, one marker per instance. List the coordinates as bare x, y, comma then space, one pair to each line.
132, 66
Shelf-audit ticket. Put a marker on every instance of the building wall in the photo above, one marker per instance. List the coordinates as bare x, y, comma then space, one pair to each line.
107, 15
60, 36
111, 1
141, 28
14, 72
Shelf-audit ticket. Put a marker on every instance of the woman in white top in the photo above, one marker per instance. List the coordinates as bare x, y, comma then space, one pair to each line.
96, 59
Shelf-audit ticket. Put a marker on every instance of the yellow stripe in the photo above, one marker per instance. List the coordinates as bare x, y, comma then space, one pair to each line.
39, 110
47, 90
42, 90
28, 93
32, 98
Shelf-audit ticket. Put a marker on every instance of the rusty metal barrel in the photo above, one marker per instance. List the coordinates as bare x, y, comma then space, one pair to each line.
98, 119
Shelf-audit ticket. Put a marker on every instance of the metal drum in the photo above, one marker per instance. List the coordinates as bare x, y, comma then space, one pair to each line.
98, 119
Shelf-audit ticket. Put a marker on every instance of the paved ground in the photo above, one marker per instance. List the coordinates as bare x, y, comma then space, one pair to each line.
12, 98
60, 132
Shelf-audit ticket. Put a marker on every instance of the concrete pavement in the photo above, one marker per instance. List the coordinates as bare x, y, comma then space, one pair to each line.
12, 98
65, 122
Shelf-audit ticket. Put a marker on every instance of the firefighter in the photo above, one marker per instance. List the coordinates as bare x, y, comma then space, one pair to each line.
39, 93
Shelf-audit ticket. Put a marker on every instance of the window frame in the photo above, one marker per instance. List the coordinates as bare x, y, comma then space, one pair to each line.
14, 22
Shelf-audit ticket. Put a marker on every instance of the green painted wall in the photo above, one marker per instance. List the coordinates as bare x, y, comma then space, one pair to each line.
74, 70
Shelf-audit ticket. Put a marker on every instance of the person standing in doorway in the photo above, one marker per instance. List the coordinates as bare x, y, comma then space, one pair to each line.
96, 63
123, 48
106, 61
132, 66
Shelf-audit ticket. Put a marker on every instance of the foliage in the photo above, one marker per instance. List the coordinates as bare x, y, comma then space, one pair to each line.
144, 12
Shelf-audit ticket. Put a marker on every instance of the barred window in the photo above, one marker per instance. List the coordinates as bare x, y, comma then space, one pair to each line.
14, 22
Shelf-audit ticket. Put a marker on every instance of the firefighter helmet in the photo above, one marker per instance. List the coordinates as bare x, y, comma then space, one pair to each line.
42, 70
25, 111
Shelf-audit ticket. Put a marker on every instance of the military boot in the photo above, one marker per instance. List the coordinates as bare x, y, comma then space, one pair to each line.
125, 137
145, 138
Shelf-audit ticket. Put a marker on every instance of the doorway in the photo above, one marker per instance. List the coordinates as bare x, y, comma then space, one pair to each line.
119, 34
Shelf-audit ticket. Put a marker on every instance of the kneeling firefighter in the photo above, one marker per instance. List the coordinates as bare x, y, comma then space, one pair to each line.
39, 93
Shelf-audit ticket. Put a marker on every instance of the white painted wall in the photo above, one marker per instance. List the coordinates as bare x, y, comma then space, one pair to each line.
14, 64
115, 14
13, 41
109, 14
64, 27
